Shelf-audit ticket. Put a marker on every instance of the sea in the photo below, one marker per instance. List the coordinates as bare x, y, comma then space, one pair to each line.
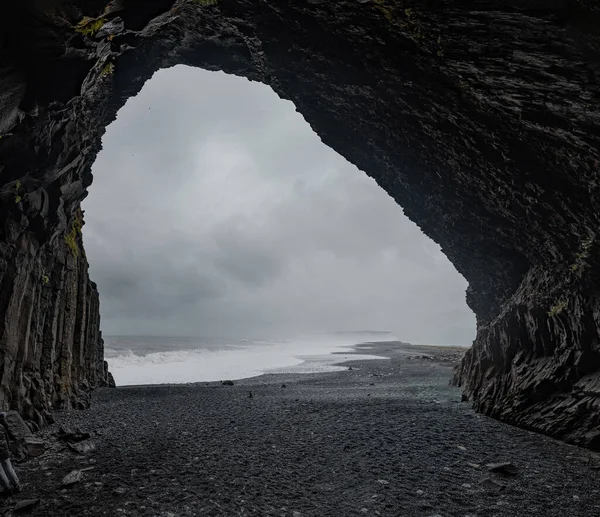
143, 360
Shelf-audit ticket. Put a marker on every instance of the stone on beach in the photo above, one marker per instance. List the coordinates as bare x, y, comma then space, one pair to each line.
505, 468
25, 505
69, 435
71, 478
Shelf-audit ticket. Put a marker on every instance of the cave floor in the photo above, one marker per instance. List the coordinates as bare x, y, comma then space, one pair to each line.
386, 438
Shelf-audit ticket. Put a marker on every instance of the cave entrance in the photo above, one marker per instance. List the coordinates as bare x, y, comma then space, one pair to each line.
216, 211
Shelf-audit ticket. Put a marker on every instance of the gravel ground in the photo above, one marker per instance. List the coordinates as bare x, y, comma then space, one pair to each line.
384, 438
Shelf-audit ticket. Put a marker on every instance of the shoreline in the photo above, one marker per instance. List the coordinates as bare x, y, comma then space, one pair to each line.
318, 360
361, 349
209, 363
379, 438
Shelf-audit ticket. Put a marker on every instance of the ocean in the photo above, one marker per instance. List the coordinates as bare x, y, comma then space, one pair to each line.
140, 360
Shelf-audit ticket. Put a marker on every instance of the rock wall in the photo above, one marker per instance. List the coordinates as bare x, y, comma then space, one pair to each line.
479, 117
51, 348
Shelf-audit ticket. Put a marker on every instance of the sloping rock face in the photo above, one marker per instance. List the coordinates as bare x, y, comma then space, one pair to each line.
479, 117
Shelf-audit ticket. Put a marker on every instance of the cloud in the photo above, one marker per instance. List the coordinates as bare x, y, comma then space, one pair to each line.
216, 210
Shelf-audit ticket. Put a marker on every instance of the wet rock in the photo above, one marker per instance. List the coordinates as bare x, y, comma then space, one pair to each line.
72, 478
506, 468
66, 434
25, 505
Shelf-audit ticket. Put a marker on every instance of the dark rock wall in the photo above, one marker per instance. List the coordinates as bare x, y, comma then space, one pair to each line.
51, 348
480, 118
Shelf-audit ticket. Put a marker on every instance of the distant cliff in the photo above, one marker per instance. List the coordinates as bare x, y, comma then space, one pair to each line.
479, 117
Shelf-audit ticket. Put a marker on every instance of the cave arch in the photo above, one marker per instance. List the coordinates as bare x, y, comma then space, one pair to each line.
480, 118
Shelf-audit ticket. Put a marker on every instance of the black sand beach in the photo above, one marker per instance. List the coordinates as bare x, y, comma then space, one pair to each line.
386, 438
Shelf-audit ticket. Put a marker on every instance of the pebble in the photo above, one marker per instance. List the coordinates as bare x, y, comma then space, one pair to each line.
403, 438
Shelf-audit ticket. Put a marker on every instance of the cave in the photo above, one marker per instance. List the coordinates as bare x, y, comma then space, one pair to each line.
480, 118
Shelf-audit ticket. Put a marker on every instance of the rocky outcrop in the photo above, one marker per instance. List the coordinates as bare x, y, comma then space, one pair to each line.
51, 347
479, 117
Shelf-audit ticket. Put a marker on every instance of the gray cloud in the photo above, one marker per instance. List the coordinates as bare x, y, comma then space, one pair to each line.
215, 210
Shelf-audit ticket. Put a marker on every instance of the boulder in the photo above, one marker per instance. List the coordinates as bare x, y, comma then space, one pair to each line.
66, 434
18, 434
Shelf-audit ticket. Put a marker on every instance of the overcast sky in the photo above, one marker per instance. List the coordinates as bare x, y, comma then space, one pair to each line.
217, 211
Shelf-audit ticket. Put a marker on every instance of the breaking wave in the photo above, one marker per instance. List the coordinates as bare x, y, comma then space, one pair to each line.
136, 361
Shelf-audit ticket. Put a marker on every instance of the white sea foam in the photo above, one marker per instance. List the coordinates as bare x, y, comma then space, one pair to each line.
227, 361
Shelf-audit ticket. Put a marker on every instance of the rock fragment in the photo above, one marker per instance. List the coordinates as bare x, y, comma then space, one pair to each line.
71, 478
506, 468
25, 505
66, 434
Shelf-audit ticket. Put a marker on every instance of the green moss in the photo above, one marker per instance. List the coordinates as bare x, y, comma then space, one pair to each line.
109, 69
583, 254
557, 308
71, 241
18, 197
71, 237
89, 26
385, 9
45, 279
